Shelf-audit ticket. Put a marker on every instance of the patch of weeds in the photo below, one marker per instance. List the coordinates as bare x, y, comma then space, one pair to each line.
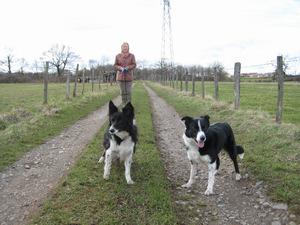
15, 116
16, 132
50, 110
3, 124
297, 135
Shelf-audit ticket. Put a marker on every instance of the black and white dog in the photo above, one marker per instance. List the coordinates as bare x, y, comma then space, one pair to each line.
204, 142
120, 139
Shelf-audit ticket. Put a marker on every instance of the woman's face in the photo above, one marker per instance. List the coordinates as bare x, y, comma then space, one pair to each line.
125, 48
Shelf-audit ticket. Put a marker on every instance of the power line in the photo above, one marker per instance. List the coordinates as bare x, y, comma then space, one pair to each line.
254, 66
270, 63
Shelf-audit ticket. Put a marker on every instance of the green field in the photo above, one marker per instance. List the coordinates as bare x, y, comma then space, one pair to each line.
30, 96
258, 96
25, 122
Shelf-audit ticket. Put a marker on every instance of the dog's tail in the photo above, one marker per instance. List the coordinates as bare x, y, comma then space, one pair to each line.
240, 151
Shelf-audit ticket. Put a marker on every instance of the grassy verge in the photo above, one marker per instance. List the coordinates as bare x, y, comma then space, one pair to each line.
84, 197
32, 123
272, 151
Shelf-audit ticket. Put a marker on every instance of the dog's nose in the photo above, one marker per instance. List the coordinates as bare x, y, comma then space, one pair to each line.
112, 130
202, 138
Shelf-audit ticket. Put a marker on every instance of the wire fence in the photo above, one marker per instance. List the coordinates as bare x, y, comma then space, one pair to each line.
95, 78
180, 81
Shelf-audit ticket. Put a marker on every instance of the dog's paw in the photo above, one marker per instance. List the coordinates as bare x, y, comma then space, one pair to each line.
208, 192
105, 177
130, 182
238, 176
101, 159
187, 185
241, 156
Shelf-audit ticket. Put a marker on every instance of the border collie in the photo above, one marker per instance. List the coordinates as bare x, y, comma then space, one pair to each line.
204, 142
120, 139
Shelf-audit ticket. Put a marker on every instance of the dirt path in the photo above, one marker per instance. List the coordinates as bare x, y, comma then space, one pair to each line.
26, 184
234, 202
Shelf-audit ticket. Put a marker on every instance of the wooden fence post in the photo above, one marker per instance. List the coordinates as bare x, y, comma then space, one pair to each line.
46, 83
75, 82
216, 84
193, 84
181, 84
169, 77
173, 78
161, 75
165, 77
83, 81
111, 79
93, 77
99, 75
68, 86
280, 80
107, 79
186, 81
202, 83
237, 73
176, 75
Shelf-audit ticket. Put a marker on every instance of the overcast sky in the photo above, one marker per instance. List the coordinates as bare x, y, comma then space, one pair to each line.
252, 32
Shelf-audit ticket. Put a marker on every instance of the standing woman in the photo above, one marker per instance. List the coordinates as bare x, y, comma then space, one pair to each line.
124, 64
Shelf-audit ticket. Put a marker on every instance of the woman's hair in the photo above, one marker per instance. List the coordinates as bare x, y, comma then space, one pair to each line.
125, 43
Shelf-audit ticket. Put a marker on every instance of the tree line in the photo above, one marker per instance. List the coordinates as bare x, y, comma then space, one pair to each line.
60, 58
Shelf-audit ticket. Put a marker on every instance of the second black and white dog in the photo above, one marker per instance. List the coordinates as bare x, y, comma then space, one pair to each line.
204, 143
120, 139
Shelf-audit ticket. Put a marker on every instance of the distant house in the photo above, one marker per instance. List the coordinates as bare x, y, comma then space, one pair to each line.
256, 75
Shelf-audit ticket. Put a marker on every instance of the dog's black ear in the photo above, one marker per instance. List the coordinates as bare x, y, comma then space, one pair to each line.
187, 120
112, 108
207, 118
128, 110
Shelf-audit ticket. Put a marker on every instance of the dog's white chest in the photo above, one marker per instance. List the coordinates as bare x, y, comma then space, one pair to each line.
193, 153
123, 150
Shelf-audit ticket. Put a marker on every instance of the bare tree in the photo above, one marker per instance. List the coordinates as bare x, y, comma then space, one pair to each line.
6, 63
104, 67
285, 65
23, 64
1, 64
9, 62
104, 60
92, 63
141, 64
219, 69
59, 57
37, 66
